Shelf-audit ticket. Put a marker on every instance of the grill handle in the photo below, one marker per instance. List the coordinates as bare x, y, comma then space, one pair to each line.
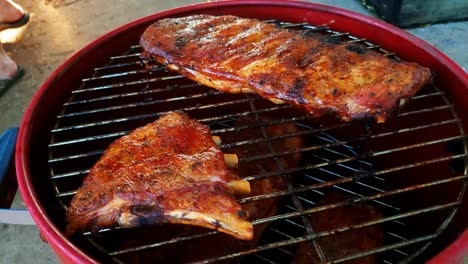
8, 183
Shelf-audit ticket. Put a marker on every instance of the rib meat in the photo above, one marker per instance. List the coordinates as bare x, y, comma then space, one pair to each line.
167, 171
314, 73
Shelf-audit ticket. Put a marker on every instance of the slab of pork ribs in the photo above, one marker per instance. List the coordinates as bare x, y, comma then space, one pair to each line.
315, 73
169, 171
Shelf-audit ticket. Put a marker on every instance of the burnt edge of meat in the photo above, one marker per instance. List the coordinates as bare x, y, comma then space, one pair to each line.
181, 42
357, 49
297, 90
332, 40
147, 215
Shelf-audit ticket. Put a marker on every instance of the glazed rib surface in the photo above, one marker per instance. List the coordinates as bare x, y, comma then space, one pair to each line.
169, 171
315, 73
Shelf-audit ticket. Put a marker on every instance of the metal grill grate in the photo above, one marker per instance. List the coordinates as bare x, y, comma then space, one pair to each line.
411, 157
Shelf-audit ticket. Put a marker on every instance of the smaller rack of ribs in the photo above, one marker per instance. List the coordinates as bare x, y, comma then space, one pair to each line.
317, 74
169, 171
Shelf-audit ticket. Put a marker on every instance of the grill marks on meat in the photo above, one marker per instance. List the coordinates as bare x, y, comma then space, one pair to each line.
167, 171
316, 74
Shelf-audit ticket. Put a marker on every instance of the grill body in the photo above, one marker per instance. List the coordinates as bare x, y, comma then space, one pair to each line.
39, 120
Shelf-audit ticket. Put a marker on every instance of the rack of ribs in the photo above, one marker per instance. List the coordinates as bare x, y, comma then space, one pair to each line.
314, 73
169, 171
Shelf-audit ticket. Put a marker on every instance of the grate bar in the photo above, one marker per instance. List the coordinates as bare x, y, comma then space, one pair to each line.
97, 245
343, 155
293, 223
69, 174
287, 24
264, 259
281, 249
354, 193
337, 33
105, 122
418, 145
397, 236
426, 110
159, 244
401, 252
121, 65
135, 47
88, 139
290, 152
122, 74
356, 40
422, 163
65, 194
259, 124
360, 174
427, 95
247, 113
280, 232
126, 95
126, 56
386, 248
412, 129
144, 103
123, 84
268, 139
77, 156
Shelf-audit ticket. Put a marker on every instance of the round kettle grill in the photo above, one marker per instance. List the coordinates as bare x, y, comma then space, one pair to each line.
411, 169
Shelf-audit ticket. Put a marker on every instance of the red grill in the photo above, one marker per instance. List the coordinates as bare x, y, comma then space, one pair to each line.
412, 169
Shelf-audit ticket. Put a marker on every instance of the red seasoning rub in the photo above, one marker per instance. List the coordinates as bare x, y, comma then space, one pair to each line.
317, 74
169, 171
